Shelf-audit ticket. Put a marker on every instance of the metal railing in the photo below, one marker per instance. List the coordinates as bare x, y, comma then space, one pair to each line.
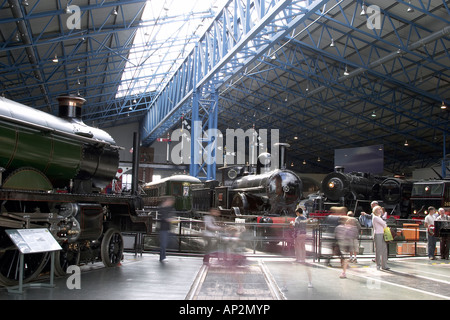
187, 237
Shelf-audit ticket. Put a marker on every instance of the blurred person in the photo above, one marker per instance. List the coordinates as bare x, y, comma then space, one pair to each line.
345, 234
354, 250
445, 239
233, 258
378, 235
211, 228
300, 235
165, 213
429, 225
300, 241
328, 226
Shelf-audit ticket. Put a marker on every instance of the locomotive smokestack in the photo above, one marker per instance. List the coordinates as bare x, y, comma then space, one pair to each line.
282, 153
70, 106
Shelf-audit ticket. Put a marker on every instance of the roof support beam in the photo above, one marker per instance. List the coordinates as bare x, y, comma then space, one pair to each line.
255, 36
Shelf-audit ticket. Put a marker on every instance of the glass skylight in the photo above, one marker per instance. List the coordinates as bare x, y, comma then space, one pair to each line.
168, 32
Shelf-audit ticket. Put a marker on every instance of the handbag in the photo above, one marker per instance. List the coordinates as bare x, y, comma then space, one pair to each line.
387, 234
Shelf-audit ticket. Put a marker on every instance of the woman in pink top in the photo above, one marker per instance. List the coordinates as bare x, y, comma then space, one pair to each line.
380, 245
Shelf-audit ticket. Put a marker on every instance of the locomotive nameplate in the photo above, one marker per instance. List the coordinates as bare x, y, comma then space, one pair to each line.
33, 240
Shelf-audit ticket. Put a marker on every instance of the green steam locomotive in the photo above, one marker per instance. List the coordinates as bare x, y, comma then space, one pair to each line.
52, 173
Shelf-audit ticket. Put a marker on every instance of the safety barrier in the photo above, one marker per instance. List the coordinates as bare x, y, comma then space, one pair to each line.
266, 238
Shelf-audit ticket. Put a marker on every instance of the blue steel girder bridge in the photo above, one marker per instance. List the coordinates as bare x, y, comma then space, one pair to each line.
328, 74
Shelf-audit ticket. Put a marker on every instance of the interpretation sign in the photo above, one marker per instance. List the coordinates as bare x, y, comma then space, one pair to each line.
33, 240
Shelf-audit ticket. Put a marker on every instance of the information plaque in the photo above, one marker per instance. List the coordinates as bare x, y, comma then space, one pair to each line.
33, 240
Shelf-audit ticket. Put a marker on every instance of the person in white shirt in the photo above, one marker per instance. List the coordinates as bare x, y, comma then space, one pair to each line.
429, 225
378, 233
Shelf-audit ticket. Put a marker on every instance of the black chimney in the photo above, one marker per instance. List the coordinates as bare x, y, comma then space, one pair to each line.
70, 106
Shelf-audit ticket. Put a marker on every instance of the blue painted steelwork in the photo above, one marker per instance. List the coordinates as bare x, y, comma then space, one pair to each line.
241, 33
264, 62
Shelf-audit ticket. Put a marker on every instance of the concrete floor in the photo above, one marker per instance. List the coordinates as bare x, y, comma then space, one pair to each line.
261, 278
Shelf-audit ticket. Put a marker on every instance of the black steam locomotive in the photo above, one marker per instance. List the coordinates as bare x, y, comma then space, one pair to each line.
252, 192
348, 188
54, 170
395, 193
356, 190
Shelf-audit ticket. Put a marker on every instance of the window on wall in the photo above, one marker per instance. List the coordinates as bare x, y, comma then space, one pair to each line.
126, 182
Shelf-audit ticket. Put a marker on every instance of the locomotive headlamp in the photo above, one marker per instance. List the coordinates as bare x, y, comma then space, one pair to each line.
331, 185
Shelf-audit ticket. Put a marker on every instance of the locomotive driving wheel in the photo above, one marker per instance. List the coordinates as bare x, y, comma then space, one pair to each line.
112, 247
69, 255
10, 264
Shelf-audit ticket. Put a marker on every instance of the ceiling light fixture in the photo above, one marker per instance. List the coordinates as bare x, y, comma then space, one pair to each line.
55, 59
332, 43
363, 11
443, 106
410, 9
346, 72
406, 143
